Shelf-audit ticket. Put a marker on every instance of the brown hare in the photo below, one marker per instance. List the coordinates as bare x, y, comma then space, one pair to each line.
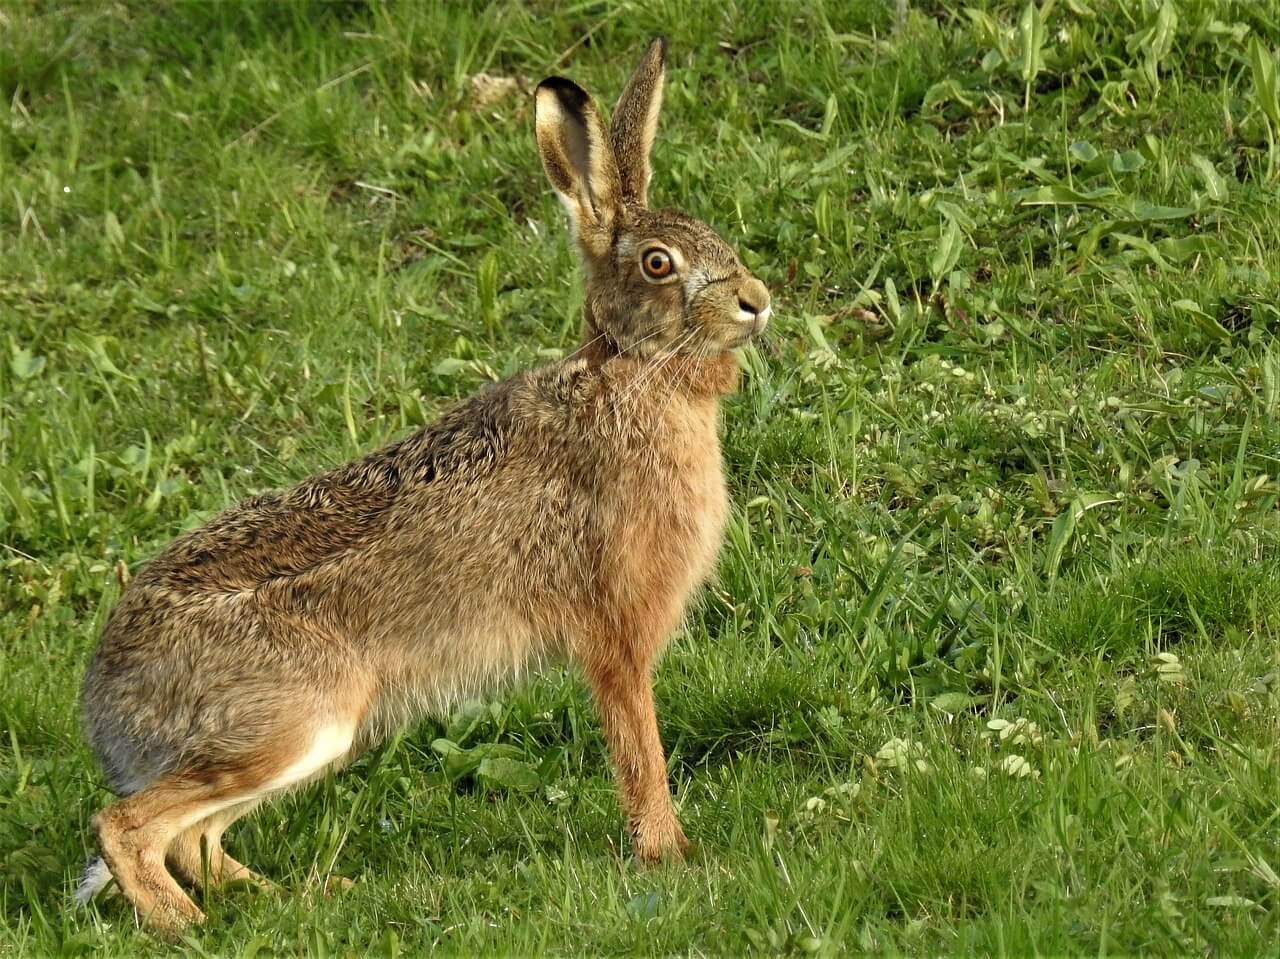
567, 512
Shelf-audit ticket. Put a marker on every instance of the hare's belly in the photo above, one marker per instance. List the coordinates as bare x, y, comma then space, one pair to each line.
428, 675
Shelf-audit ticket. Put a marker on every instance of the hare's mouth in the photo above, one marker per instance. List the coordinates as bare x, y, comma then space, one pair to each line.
748, 326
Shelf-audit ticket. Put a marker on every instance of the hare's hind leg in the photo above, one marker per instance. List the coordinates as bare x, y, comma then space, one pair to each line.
197, 856
136, 833
133, 835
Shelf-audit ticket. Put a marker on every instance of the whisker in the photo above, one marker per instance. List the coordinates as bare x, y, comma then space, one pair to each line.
649, 336
591, 342
599, 336
663, 360
685, 374
646, 373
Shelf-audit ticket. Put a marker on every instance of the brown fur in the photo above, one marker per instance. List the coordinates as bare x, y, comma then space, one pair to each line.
571, 511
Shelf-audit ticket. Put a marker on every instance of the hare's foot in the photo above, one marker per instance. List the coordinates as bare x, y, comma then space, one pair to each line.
133, 835
196, 854
337, 885
659, 840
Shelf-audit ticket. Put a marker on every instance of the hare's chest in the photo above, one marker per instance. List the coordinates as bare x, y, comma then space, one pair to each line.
708, 504
673, 530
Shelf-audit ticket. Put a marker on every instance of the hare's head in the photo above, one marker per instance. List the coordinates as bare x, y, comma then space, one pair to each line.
657, 281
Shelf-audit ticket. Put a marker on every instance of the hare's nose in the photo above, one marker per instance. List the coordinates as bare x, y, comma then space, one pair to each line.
753, 301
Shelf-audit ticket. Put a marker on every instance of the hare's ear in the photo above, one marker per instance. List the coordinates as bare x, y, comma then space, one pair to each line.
635, 122
578, 158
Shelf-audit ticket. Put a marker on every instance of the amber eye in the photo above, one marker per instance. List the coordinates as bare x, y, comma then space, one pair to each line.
656, 263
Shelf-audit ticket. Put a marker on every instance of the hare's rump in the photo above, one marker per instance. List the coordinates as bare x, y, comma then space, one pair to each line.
181, 684
194, 734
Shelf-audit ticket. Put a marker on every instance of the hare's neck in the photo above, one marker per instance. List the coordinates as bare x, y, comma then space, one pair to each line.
712, 376
594, 339
695, 377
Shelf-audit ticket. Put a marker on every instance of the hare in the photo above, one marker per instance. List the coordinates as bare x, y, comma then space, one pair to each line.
569, 512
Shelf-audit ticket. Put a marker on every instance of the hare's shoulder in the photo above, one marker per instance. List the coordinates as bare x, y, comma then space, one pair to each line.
338, 512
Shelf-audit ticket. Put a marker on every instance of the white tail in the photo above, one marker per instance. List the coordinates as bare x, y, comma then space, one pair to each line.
95, 878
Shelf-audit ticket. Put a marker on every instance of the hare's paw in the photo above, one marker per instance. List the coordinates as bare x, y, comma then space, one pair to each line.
170, 917
657, 842
337, 885
172, 925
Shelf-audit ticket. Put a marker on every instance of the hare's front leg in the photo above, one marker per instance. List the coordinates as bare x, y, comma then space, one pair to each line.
623, 690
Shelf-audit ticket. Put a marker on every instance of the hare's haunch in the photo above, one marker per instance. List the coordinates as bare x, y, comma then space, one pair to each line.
568, 512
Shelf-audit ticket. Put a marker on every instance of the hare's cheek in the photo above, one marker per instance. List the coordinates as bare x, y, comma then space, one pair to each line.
666, 304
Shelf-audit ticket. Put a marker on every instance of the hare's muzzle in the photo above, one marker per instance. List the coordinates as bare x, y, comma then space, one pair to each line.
753, 305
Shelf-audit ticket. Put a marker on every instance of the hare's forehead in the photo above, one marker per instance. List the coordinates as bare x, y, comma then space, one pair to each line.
694, 239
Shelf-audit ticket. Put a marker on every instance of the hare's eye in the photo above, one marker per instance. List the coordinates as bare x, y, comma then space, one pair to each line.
656, 263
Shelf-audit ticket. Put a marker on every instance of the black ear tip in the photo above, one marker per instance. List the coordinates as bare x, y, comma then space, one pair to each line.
571, 96
660, 42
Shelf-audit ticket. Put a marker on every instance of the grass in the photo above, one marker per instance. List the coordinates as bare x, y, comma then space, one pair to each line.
993, 662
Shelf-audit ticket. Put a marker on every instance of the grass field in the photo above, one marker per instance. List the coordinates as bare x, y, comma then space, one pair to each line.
993, 661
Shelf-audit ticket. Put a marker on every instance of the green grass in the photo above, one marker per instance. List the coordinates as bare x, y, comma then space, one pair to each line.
1009, 457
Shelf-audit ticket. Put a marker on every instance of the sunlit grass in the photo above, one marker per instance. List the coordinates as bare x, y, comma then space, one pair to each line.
993, 661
